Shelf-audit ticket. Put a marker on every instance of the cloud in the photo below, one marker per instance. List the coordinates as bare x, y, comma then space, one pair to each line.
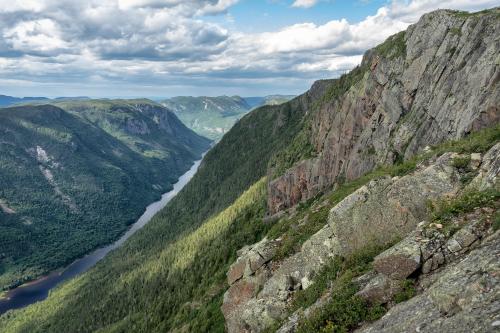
304, 3
130, 46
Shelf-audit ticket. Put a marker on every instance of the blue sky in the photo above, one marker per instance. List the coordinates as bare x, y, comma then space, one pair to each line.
163, 48
267, 15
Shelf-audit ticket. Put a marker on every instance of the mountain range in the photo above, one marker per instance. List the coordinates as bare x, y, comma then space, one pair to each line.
369, 203
212, 117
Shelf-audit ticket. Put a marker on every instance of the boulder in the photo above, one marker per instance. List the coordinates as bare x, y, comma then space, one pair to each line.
401, 260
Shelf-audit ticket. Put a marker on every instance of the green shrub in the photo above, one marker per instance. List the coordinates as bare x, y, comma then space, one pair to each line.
407, 292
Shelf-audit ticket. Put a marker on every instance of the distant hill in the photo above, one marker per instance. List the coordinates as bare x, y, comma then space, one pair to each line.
211, 117
73, 176
9, 100
255, 102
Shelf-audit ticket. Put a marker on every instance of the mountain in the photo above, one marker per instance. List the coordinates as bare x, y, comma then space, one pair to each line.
75, 175
255, 102
9, 100
211, 117
368, 203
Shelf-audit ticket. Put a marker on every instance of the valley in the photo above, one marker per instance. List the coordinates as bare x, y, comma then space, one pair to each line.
71, 183
38, 290
369, 203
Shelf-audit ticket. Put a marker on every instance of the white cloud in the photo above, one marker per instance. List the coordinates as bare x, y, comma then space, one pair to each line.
169, 43
304, 3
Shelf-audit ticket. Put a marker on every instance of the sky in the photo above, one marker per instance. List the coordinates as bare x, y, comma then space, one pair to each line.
164, 48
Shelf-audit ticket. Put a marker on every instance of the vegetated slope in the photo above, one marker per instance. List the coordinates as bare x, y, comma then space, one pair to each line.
171, 276
68, 186
211, 117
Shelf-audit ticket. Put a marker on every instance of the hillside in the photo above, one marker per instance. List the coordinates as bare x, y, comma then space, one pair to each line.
369, 202
211, 117
74, 180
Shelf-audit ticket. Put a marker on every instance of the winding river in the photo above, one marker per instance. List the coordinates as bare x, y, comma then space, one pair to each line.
38, 290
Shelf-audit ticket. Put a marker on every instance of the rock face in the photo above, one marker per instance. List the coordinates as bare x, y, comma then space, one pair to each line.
457, 296
378, 213
439, 82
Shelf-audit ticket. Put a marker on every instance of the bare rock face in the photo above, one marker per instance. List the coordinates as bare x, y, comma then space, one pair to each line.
444, 86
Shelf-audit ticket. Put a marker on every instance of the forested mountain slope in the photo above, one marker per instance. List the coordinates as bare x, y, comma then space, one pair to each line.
211, 117
316, 164
72, 181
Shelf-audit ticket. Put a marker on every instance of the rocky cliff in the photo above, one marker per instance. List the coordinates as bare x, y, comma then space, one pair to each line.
434, 257
416, 239
438, 80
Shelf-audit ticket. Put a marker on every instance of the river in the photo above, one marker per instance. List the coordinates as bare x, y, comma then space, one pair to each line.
38, 290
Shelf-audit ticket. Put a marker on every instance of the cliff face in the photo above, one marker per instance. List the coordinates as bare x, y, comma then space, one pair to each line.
429, 229
436, 81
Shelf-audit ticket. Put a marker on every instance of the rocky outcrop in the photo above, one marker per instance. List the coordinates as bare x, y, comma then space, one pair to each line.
453, 299
438, 81
379, 213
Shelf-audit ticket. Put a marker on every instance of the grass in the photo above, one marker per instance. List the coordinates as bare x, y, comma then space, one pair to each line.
496, 221
443, 211
456, 31
393, 47
345, 310
407, 292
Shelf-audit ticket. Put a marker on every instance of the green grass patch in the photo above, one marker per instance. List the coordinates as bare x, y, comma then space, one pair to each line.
393, 47
345, 310
445, 210
496, 221
407, 292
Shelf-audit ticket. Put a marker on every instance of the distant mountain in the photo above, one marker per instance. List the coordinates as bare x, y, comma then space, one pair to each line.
74, 175
9, 100
255, 102
211, 117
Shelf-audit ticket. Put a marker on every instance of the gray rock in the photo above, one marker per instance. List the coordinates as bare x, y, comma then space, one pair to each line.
464, 297
444, 87
380, 289
401, 260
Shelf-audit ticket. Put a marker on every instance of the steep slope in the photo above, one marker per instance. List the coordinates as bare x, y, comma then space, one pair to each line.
69, 186
211, 117
437, 80
171, 276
